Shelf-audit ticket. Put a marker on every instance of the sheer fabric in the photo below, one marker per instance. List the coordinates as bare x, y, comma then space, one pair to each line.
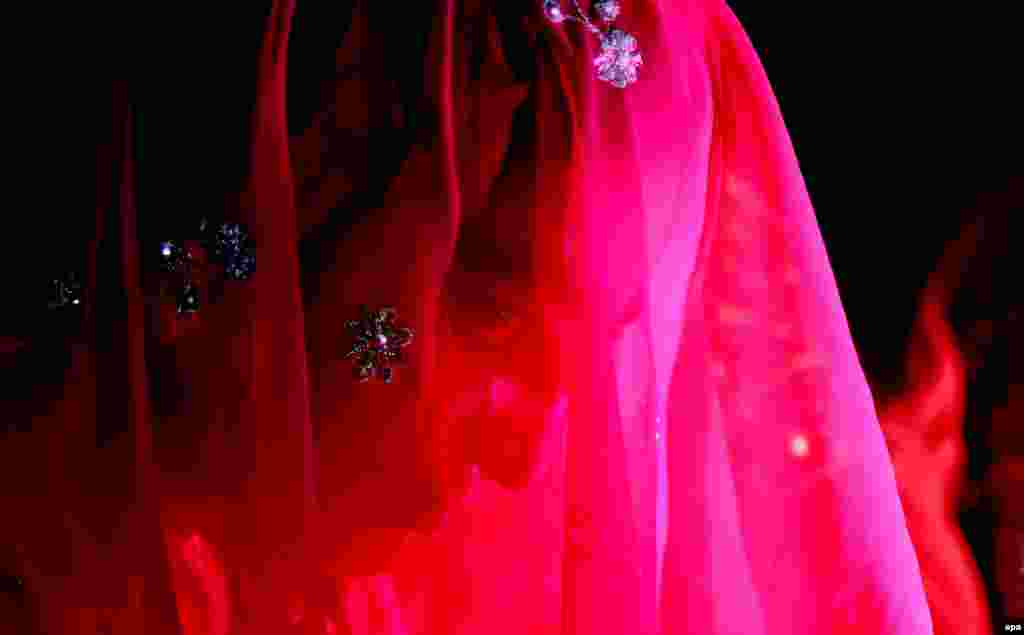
700, 445
633, 407
925, 427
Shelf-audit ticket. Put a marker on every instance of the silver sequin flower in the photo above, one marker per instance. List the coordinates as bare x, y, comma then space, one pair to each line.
619, 59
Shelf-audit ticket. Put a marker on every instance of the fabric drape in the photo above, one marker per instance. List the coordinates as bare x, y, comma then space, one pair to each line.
632, 406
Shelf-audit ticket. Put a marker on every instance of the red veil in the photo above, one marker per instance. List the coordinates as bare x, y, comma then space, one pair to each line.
633, 404
674, 432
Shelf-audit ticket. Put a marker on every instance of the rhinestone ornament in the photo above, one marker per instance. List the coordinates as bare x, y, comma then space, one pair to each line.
230, 243
188, 299
172, 257
620, 57
553, 11
378, 344
235, 250
65, 292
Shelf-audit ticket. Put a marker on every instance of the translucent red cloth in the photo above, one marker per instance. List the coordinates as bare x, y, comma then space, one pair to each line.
633, 405
925, 428
702, 448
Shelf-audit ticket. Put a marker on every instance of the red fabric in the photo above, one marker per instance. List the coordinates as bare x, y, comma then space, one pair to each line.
87, 539
633, 405
925, 429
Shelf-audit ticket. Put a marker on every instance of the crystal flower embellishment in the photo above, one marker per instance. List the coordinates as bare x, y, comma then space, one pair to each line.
619, 59
229, 243
378, 344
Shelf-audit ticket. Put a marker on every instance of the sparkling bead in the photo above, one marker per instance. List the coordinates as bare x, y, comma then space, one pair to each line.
553, 11
172, 256
799, 446
608, 10
188, 299
65, 292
